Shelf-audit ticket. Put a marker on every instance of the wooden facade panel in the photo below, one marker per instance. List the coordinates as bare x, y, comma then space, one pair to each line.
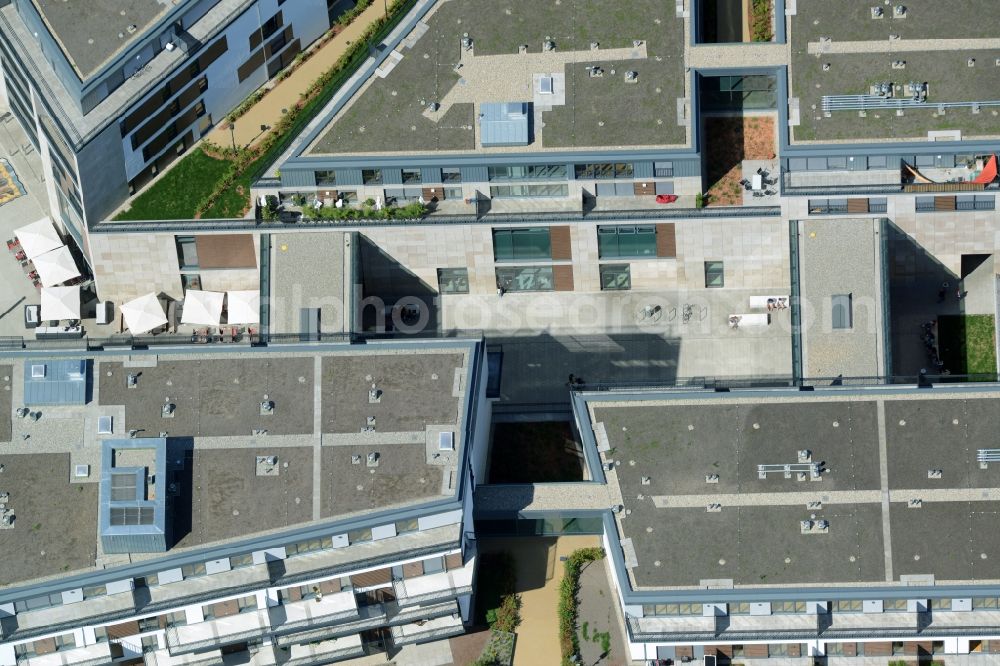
122, 630
432, 193
758, 650
684, 651
666, 240
878, 649
944, 203
641, 189
226, 251
369, 578
795, 650
412, 569
559, 238
562, 278
453, 561
857, 205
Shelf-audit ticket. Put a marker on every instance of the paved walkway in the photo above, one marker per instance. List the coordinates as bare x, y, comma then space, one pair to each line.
761, 54
539, 573
599, 619
284, 93
900, 45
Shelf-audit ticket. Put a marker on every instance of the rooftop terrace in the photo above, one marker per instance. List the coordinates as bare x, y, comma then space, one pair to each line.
843, 49
234, 467
91, 33
390, 113
898, 485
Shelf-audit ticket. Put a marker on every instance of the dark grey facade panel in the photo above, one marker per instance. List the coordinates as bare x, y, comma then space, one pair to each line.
642, 169
689, 167
392, 176
298, 178
348, 177
475, 174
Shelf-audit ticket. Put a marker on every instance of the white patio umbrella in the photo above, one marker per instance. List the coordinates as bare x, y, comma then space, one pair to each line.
60, 303
143, 314
202, 307
244, 307
56, 266
38, 237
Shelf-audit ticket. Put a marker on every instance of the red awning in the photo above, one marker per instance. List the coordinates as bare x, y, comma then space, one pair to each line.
989, 172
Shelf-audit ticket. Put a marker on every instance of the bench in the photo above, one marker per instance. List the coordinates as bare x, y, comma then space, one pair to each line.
776, 302
749, 320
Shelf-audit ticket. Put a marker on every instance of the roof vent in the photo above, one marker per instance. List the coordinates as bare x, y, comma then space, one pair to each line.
132, 28
374, 395
877, 12
899, 11
169, 46
631, 76
266, 406
373, 459
548, 44
466, 41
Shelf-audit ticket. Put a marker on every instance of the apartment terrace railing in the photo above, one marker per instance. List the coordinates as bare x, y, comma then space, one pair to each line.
861, 189
319, 657
170, 226
379, 615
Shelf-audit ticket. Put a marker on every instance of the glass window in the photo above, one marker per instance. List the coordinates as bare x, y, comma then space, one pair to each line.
984, 602
940, 604
527, 172
615, 277
522, 244
404, 526
371, 176
247, 603
842, 316
451, 175
663, 169
534, 278
411, 176
453, 281
187, 253
847, 606
741, 608
453, 193
190, 570
626, 241
894, 605
521, 191
714, 274
244, 560
326, 178
357, 536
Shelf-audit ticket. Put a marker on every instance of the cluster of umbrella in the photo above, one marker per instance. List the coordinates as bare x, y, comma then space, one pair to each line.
52, 259
201, 308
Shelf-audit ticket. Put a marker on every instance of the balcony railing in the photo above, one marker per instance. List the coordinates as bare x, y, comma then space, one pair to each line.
89, 655
327, 610
163, 658
325, 651
434, 587
216, 633
430, 630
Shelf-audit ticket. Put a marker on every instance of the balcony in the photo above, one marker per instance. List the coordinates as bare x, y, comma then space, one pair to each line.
326, 610
218, 632
326, 651
89, 655
436, 586
369, 617
375, 616
163, 658
424, 631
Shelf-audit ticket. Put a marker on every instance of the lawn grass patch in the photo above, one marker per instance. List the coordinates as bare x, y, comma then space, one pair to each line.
967, 344
177, 195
